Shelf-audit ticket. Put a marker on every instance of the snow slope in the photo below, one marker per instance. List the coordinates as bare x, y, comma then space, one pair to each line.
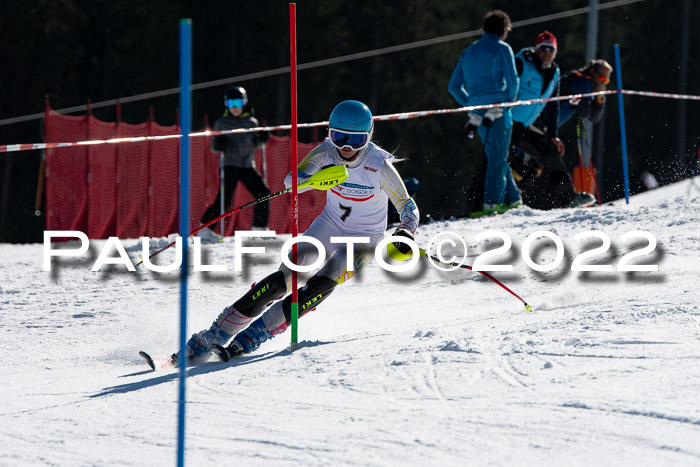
416, 368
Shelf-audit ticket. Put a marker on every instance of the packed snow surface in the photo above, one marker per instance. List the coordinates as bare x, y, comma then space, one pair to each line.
416, 368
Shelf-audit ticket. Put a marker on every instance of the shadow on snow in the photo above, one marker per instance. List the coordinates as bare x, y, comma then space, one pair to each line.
200, 369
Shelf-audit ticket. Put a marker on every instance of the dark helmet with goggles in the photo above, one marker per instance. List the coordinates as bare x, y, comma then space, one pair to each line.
235, 97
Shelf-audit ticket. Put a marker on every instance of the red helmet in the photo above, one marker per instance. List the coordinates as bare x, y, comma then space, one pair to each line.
546, 39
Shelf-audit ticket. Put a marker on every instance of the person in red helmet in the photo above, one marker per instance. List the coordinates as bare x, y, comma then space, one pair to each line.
536, 147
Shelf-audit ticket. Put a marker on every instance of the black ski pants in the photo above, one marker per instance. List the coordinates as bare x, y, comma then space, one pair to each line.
253, 182
554, 169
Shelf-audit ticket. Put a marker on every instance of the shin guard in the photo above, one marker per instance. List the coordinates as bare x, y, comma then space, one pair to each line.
310, 296
259, 297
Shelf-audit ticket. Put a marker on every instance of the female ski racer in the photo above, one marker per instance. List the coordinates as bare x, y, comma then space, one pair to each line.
355, 208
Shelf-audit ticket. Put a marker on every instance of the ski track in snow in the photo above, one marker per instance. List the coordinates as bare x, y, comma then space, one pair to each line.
417, 368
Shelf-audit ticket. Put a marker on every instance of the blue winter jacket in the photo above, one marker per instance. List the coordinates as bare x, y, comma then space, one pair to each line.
531, 83
485, 73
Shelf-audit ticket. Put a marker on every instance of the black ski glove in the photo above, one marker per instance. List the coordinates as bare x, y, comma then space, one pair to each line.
404, 248
219, 143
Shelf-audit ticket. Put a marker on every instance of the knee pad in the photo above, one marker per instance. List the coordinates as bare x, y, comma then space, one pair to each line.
310, 296
259, 297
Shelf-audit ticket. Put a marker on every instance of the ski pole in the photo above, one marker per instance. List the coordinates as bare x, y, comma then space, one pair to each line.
581, 136
324, 179
466, 266
580, 152
40, 187
595, 171
595, 180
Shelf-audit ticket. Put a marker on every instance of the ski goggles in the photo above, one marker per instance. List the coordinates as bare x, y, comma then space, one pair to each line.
351, 139
604, 79
231, 103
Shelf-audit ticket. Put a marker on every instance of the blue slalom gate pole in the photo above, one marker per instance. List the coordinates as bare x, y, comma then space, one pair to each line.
623, 131
185, 124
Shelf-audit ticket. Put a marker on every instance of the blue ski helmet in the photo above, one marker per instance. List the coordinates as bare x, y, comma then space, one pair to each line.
352, 116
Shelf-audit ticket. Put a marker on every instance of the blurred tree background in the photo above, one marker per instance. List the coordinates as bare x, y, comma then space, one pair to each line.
78, 50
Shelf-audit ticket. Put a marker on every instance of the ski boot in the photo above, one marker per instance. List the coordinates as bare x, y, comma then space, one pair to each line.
582, 200
245, 342
200, 344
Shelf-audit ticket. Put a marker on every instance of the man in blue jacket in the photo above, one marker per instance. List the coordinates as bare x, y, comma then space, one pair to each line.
535, 136
485, 74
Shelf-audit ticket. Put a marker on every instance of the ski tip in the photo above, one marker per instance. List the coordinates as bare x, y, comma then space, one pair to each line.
148, 359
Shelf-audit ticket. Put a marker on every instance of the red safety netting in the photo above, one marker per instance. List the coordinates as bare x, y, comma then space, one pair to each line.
275, 165
102, 180
133, 181
130, 190
164, 188
204, 179
67, 174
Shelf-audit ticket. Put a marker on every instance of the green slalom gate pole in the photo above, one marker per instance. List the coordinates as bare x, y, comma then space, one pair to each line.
295, 197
